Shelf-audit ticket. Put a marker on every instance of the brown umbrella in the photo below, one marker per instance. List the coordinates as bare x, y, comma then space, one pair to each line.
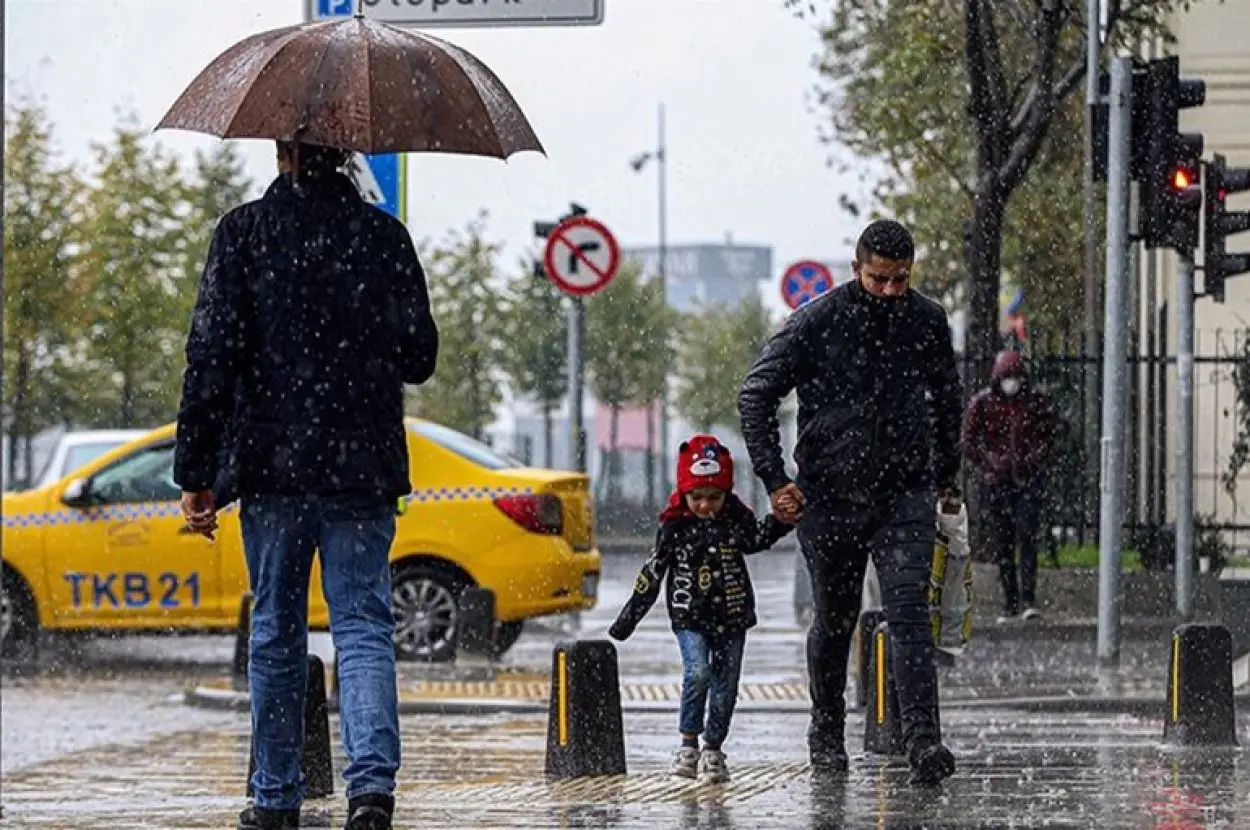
359, 85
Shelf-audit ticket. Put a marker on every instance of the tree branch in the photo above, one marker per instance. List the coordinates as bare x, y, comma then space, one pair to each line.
925, 150
1026, 143
985, 81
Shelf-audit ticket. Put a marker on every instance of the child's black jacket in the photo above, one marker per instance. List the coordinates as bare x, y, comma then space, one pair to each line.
703, 564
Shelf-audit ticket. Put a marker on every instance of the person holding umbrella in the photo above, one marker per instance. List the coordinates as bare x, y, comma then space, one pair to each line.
312, 314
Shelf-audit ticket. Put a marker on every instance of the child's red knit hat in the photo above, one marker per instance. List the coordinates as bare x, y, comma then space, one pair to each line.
703, 461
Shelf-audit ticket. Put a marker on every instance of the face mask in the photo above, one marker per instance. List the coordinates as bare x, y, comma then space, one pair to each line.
1011, 386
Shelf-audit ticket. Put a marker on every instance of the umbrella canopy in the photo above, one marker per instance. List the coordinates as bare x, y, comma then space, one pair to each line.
358, 85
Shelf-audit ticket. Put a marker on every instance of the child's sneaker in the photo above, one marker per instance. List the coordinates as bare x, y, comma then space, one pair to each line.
712, 768
685, 763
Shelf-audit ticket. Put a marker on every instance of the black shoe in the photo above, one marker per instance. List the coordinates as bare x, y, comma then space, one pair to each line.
830, 760
931, 763
827, 747
371, 811
258, 818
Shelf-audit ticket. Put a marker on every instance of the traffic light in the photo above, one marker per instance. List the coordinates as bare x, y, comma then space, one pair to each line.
1164, 160
1219, 224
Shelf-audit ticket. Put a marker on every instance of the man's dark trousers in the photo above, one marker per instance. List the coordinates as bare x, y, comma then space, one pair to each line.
837, 538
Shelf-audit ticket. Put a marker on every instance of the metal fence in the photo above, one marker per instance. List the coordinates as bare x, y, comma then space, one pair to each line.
1222, 514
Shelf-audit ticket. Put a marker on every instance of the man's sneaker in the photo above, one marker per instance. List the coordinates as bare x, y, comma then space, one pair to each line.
371, 811
712, 767
685, 763
1008, 617
931, 763
1031, 613
258, 818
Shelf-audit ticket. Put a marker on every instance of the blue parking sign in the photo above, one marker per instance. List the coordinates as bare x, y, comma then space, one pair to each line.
335, 8
388, 169
382, 180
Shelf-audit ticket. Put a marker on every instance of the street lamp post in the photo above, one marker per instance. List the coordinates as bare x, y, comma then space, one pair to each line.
660, 156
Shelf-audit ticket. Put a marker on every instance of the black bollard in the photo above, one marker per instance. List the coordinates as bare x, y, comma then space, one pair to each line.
334, 677
475, 621
238, 666
585, 731
883, 733
1201, 711
868, 622
316, 762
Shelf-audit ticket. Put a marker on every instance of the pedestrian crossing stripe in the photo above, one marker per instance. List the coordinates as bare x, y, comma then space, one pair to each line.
171, 509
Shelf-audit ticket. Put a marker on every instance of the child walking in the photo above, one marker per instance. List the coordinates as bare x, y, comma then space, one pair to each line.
699, 554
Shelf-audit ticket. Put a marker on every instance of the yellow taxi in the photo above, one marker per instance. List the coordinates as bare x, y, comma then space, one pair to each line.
105, 549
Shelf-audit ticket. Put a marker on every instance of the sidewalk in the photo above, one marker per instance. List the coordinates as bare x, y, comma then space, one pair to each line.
1016, 770
1042, 675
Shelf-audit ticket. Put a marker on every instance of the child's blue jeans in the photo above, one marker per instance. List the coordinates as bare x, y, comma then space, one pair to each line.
711, 666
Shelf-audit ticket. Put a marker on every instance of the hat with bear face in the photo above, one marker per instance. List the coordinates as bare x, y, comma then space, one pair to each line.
703, 461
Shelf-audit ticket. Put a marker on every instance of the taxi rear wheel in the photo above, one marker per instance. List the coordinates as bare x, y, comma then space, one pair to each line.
19, 624
423, 602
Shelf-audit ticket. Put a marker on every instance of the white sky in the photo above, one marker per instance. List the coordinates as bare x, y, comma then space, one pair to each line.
734, 75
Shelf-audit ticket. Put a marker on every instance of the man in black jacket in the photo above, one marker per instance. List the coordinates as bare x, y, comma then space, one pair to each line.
312, 315
879, 414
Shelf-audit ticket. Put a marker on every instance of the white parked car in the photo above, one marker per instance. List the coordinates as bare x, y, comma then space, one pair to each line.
75, 449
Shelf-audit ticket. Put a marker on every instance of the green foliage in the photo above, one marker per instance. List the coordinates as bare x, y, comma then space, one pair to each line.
627, 331
102, 274
218, 185
42, 203
535, 357
133, 255
717, 347
470, 312
628, 348
535, 331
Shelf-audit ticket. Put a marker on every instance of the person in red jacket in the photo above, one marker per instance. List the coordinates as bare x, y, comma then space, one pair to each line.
1008, 436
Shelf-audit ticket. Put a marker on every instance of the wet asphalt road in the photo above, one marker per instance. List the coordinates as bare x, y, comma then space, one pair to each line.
78, 741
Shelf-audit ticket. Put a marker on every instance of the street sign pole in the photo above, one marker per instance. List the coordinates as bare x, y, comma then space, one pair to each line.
581, 258
577, 376
1115, 375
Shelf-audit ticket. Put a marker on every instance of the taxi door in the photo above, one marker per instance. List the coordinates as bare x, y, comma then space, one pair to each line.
124, 557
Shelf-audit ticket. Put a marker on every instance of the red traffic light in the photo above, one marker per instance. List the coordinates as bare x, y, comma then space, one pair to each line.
1183, 178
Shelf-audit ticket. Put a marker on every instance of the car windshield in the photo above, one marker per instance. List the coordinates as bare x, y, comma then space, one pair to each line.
467, 448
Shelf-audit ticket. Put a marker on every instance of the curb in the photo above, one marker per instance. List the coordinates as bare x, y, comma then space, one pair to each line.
1142, 706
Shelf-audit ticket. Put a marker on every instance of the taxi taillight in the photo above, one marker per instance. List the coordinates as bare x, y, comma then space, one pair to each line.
542, 513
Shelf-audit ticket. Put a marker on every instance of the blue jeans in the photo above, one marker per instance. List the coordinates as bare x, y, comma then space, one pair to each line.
280, 535
711, 666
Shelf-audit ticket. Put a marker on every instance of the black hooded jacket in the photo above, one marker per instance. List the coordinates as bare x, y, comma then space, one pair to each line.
312, 315
702, 564
879, 395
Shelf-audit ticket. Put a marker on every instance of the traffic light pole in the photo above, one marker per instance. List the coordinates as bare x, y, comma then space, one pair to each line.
1185, 434
1115, 369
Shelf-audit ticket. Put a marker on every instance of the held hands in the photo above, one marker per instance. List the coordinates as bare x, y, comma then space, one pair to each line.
950, 500
788, 502
200, 512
